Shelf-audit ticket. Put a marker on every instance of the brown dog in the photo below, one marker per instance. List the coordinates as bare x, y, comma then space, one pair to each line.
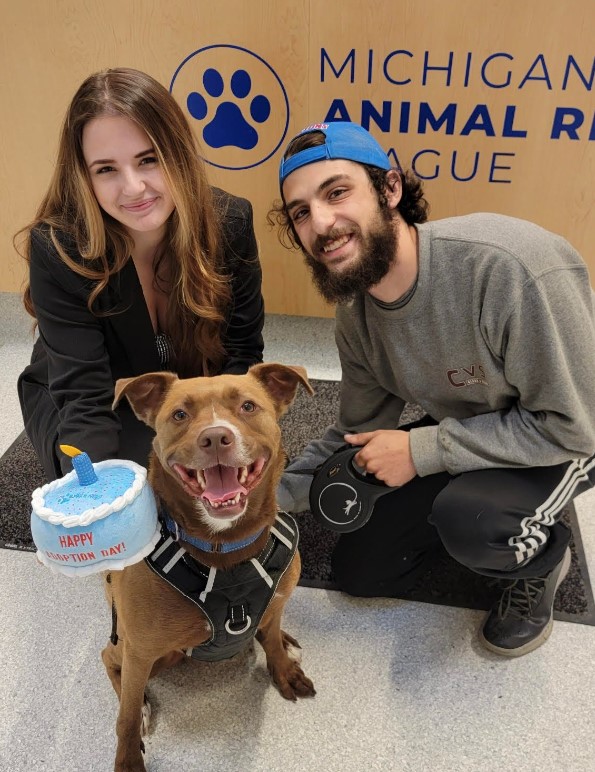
215, 467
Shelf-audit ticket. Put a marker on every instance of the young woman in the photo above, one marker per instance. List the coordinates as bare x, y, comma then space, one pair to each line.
135, 265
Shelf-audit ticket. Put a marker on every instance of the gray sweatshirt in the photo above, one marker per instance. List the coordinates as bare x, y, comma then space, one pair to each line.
497, 344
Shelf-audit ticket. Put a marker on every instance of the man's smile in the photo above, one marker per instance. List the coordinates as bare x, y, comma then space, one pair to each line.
336, 243
337, 247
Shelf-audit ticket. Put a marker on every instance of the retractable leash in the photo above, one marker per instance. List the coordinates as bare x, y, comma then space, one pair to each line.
342, 494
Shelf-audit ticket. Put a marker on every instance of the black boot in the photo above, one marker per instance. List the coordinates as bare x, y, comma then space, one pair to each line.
524, 617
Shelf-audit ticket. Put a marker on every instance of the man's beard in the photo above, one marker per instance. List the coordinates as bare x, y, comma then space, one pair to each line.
378, 251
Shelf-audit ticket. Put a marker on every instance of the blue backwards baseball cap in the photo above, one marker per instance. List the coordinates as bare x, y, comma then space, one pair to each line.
344, 140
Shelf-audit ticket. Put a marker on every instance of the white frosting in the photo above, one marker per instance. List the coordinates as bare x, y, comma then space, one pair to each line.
95, 513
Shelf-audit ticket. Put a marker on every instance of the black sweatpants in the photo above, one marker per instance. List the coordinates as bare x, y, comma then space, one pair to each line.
498, 522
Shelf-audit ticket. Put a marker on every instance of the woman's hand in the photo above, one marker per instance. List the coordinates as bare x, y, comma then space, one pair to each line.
386, 454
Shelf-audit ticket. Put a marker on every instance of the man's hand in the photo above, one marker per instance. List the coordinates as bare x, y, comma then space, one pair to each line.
385, 454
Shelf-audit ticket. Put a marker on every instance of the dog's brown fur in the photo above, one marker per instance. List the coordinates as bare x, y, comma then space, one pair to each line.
199, 423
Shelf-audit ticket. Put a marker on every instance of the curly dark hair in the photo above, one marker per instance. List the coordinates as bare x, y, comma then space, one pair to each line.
412, 207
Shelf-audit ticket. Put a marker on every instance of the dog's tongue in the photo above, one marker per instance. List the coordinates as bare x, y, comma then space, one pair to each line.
222, 483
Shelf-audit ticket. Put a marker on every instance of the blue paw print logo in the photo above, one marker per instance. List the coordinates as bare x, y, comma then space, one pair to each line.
236, 102
229, 127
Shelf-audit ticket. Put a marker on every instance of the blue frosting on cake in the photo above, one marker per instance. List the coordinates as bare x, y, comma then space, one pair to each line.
74, 499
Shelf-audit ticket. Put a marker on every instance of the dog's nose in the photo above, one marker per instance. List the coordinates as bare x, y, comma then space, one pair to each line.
215, 436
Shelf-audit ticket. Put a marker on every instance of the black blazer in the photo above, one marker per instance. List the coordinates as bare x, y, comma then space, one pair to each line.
67, 390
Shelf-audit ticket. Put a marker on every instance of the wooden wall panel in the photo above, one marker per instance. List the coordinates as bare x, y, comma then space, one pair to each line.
47, 49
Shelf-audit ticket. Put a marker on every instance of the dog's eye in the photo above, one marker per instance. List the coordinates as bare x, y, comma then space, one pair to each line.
179, 415
248, 407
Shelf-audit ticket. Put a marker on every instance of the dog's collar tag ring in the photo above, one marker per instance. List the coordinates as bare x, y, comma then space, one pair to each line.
342, 496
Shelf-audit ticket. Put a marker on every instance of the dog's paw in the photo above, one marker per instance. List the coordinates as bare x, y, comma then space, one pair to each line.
145, 717
292, 682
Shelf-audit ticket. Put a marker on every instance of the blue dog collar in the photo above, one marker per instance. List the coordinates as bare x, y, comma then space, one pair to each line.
344, 140
206, 546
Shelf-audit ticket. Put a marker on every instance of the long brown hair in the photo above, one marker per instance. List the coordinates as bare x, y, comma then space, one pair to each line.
413, 207
193, 242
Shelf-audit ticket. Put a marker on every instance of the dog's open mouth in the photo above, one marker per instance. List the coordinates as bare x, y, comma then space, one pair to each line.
223, 489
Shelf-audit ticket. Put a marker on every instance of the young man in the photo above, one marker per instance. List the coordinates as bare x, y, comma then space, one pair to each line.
486, 322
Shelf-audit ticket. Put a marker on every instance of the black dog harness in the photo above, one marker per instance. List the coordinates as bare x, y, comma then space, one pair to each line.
234, 599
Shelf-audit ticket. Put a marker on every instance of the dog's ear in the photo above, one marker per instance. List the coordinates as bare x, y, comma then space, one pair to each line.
281, 381
145, 394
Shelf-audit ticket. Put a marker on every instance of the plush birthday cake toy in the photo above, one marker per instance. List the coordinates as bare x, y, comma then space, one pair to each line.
97, 517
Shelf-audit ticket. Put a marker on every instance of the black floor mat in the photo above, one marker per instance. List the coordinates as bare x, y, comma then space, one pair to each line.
446, 582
